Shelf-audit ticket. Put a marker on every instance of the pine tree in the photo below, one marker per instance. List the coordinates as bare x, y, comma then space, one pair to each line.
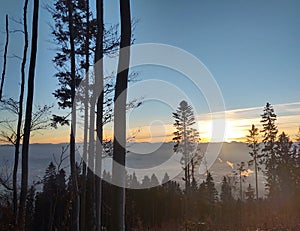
212, 193
226, 191
134, 184
165, 179
146, 182
186, 138
252, 140
269, 137
154, 181
249, 193
239, 173
286, 167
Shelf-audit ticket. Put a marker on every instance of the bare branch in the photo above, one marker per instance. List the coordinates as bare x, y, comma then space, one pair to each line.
13, 56
10, 105
16, 31
18, 21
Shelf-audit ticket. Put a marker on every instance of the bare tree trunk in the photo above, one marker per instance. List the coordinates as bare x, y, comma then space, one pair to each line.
119, 144
28, 115
75, 205
86, 119
241, 187
91, 166
20, 113
99, 119
256, 180
4, 57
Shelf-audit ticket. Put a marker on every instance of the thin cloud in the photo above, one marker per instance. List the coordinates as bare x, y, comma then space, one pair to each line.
247, 172
230, 164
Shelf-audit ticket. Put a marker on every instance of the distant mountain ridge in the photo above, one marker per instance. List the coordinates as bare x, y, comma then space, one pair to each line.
142, 158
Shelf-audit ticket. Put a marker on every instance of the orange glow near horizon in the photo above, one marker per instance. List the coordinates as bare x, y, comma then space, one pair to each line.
235, 131
144, 134
238, 122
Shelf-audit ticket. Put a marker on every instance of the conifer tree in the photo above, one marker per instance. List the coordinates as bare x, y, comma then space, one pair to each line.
269, 131
186, 138
249, 193
286, 166
252, 140
165, 179
226, 191
212, 193
239, 173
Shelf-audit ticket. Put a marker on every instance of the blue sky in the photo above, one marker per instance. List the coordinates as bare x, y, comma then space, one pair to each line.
252, 48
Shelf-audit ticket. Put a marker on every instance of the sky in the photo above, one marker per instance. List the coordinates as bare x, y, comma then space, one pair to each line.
251, 48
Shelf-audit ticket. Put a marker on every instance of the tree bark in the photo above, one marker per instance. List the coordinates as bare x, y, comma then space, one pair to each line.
86, 120
119, 144
4, 57
99, 118
75, 204
28, 115
256, 180
20, 113
91, 166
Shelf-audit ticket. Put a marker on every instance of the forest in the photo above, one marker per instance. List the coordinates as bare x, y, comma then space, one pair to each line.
82, 195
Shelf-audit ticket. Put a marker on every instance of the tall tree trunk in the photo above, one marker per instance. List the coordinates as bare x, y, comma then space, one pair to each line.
256, 180
28, 115
90, 205
241, 187
99, 119
86, 119
186, 161
119, 144
20, 113
75, 205
4, 57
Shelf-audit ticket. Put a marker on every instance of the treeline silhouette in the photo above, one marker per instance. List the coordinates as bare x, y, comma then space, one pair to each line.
164, 207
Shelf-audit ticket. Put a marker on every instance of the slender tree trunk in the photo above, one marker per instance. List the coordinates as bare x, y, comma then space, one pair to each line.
4, 57
241, 187
20, 113
119, 144
75, 207
28, 115
99, 119
186, 161
86, 119
256, 180
91, 166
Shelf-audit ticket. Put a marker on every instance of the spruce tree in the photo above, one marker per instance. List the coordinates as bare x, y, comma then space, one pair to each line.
226, 191
269, 132
249, 193
286, 166
186, 138
212, 193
